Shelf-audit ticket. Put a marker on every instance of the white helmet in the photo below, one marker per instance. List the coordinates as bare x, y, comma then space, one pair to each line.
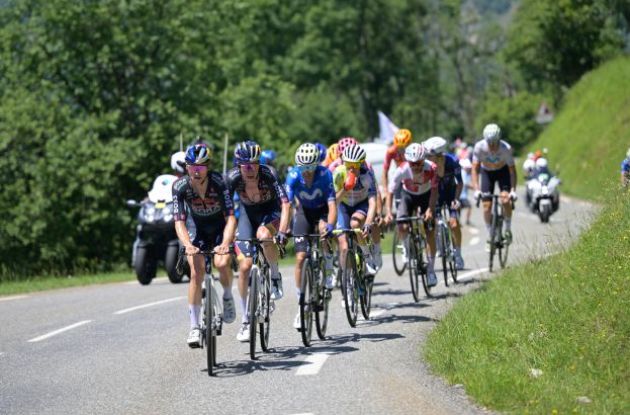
492, 133
435, 146
541, 163
307, 155
415, 152
529, 164
353, 153
178, 161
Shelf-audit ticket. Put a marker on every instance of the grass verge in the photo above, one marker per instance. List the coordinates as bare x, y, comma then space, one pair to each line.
568, 316
50, 283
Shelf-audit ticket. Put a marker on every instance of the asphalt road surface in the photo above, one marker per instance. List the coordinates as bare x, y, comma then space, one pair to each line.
120, 348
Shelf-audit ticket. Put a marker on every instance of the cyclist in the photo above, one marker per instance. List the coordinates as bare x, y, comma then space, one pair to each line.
204, 194
450, 189
377, 256
322, 152
396, 153
355, 188
331, 155
265, 211
625, 169
418, 178
310, 189
494, 162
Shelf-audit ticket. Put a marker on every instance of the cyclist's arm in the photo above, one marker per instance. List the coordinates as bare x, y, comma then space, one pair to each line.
475, 175
512, 178
460, 182
433, 198
285, 216
182, 233
369, 220
332, 212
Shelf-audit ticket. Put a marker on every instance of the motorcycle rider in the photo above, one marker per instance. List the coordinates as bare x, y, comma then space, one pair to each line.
204, 194
625, 170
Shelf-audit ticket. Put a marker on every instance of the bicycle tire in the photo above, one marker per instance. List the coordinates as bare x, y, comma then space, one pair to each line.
422, 269
366, 299
446, 250
265, 302
413, 268
399, 265
503, 250
306, 302
210, 333
451, 258
252, 309
350, 288
493, 243
323, 303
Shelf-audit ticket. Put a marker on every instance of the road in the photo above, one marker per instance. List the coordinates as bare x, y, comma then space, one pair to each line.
120, 348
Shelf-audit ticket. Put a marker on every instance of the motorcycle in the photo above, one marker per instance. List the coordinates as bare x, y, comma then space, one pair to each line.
543, 196
156, 240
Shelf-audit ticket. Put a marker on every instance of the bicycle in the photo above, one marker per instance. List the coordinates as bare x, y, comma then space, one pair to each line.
497, 240
417, 266
398, 251
357, 285
259, 303
212, 322
444, 237
314, 297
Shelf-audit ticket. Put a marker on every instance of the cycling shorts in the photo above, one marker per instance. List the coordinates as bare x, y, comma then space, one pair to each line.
489, 178
346, 212
250, 219
306, 221
409, 204
446, 197
207, 236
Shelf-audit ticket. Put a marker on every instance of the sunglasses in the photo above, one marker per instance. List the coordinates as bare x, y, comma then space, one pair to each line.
352, 165
249, 166
307, 169
197, 168
416, 163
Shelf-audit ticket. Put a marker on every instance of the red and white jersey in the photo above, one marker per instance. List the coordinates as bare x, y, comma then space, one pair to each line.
415, 184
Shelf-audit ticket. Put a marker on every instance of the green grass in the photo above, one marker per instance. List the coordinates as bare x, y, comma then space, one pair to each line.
50, 283
590, 136
568, 316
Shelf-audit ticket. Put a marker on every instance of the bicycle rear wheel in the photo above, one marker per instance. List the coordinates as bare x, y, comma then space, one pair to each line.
397, 249
350, 288
252, 307
413, 268
445, 248
210, 334
367, 282
323, 302
264, 322
306, 302
422, 268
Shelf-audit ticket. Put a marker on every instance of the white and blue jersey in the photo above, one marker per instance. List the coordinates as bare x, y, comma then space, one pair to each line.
315, 196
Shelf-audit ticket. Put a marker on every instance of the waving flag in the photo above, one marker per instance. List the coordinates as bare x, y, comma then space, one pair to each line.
387, 129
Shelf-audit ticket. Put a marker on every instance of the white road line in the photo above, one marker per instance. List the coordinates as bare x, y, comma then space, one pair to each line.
472, 273
473, 231
128, 310
378, 313
315, 363
54, 333
474, 241
13, 297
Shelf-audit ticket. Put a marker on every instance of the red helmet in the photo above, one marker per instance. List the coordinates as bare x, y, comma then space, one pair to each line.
345, 142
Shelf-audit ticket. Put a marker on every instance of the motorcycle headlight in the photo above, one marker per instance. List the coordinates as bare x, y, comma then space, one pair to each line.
149, 210
150, 218
168, 217
545, 190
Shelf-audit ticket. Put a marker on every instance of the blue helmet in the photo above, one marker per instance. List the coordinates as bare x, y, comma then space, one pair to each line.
247, 152
198, 154
267, 157
322, 151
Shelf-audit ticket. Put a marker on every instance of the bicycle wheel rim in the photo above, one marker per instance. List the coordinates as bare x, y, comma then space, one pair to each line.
306, 318
424, 275
399, 265
350, 289
321, 317
412, 268
209, 333
446, 249
265, 318
253, 310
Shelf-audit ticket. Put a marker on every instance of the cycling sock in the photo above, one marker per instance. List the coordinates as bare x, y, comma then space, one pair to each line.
227, 293
298, 292
243, 303
193, 312
274, 270
431, 262
489, 229
507, 224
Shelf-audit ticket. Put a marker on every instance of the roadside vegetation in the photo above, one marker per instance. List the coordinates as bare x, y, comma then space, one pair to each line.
32, 284
553, 336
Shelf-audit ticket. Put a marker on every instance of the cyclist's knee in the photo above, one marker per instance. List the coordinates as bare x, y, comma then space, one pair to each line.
245, 264
263, 233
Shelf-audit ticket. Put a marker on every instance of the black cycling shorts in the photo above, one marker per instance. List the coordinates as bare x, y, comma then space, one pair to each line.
207, 236
306, 221
253, 217
489, 178
410, 203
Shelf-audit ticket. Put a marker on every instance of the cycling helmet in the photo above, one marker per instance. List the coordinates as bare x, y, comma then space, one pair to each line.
322, 151
178, 162
307, 155
435, 146
529, 164
402, 138
415, 152
492, 133
345, 142
247, 152
353, 153
333, 152
541, 163
198, 154
267, 157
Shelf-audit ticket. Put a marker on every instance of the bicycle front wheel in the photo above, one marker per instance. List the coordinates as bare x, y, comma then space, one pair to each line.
322, 307
306, 302
252, 307
413, 267
264, 322
210, 333
366, 295
397, 250
445, 250
350, 288
503, 250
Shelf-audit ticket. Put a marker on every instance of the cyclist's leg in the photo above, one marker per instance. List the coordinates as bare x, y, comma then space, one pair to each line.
223, 265
421, 202
487, 189
403, 211
504, 187
300, 227
197, 273
245, 260
357, 220
343, 222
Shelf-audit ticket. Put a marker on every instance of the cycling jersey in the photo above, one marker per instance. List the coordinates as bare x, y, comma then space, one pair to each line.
395, 154
493, 161
415, 184
625, 166
318, 194
215, 204
364, 188
452, 173
270, 189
